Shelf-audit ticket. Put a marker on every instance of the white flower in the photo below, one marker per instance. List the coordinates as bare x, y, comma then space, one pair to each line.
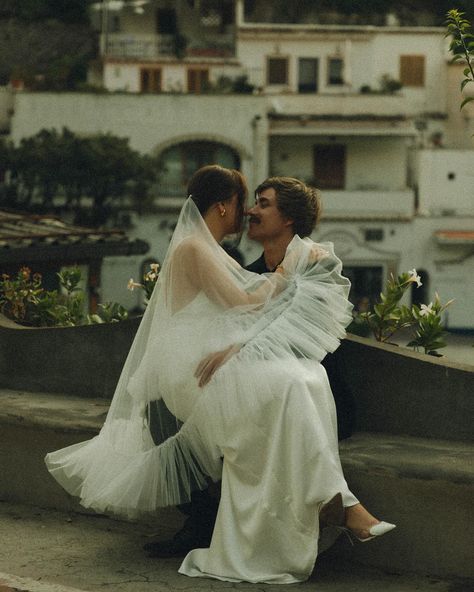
414, 277
155, 267
132, 285
426, 310
151, 276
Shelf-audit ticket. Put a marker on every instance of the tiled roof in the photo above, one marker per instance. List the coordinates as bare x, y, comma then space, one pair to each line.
32, 237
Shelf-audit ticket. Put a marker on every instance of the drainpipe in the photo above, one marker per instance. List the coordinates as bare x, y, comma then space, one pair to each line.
105, 28
255, 145
348, 62
239, 13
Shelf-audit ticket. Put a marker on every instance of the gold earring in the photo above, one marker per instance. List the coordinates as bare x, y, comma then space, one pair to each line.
222, 213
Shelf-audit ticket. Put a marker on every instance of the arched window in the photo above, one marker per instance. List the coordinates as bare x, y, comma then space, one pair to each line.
180, 161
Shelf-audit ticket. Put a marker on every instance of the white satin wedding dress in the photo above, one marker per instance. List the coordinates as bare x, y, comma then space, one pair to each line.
265, 423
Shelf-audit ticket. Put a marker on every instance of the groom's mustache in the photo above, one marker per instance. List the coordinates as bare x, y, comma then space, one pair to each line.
253, 219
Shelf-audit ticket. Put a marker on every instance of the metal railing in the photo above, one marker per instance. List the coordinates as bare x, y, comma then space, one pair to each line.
122, 45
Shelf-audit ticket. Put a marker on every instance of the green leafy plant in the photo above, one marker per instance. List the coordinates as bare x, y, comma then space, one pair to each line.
388, 316
109, 312
24, 300
389, 85
428, 333
462, 46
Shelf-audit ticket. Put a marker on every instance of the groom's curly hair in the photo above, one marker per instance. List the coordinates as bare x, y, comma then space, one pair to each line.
296, 201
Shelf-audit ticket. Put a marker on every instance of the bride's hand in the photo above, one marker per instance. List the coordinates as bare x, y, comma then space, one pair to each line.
212, 362
317, 253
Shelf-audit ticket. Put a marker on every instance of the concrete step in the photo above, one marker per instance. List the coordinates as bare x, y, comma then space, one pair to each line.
425, 486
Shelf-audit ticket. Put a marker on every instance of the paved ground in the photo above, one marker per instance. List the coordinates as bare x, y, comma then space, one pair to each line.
47, 551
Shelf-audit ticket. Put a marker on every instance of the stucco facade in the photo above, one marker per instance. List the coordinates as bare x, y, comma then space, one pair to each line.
394, 166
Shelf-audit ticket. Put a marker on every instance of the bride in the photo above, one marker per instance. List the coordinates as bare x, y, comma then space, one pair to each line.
265, 423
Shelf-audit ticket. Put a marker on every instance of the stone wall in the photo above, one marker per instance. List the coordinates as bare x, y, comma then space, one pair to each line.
84, 361
399, 391
395, 390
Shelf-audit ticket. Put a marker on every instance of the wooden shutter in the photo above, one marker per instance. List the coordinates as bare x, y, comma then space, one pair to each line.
277, 70
412, 70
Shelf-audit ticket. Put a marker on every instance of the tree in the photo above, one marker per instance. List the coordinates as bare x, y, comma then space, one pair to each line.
92, 177
110, 171
67, 11
46, 54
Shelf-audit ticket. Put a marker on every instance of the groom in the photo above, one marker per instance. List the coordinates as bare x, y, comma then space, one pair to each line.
283, 208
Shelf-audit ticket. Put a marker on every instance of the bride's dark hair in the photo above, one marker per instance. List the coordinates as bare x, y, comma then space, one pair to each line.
212, 184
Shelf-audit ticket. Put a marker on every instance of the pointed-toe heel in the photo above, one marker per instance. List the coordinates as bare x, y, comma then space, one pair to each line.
377, 530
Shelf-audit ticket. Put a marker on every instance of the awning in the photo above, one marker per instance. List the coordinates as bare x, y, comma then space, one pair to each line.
454, 237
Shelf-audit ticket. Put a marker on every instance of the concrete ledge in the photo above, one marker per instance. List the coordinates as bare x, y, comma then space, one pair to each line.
84, 361
63, 413
406, 457
425, 487
426, 490
398, 391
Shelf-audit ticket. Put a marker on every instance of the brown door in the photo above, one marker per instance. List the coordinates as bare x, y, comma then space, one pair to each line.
150, 80
330, 166
198, 80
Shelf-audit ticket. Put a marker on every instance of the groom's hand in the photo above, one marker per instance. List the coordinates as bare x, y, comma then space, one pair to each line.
212, 362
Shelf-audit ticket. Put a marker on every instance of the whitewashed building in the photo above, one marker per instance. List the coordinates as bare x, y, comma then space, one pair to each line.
395, 166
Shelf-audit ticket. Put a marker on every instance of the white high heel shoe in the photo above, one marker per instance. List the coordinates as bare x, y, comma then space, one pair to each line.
376, 530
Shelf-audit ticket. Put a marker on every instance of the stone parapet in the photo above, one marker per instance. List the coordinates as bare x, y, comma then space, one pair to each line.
398, 391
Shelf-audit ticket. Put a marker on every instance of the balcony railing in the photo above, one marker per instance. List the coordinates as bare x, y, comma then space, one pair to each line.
122, 45
350, 104
377, 203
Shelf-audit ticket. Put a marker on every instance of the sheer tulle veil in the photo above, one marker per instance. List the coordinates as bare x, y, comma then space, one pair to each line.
164, 436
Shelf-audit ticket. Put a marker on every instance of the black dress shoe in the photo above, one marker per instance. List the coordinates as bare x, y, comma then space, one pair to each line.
190, 537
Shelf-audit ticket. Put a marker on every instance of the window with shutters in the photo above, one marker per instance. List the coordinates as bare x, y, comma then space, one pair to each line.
277, 70
412, 70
